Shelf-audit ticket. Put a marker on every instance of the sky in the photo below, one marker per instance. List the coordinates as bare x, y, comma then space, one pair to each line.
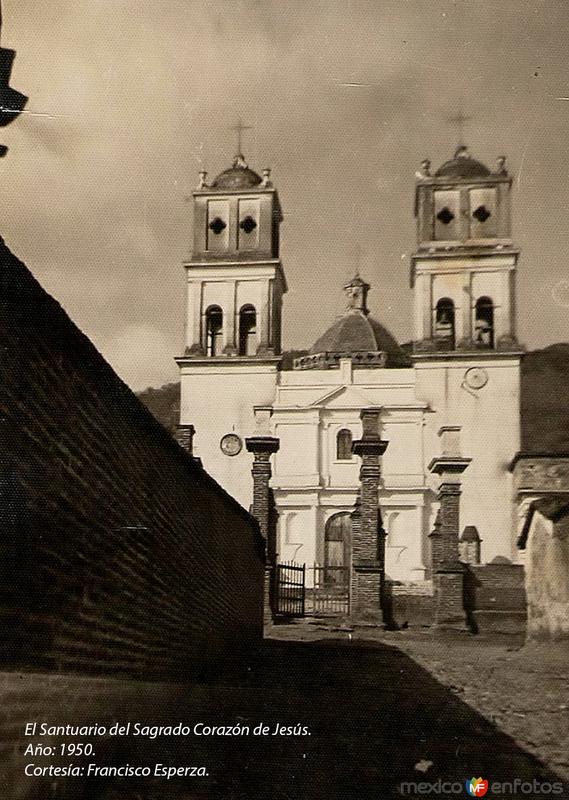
129, 99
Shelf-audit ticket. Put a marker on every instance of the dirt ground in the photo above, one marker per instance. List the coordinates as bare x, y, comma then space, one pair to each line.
522, 689
382, 709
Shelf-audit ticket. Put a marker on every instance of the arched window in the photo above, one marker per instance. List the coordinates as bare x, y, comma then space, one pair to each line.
484, 322
444, 322
247, 331
213, 330
344, 445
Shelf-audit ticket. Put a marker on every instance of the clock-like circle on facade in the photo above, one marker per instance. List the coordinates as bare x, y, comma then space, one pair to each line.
231, 444
476, 377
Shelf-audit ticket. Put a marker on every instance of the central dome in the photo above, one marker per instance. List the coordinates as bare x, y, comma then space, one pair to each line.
357, 335
238, 176
356, 332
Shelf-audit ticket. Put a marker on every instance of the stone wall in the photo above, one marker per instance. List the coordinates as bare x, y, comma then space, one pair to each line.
547, 578
119, 553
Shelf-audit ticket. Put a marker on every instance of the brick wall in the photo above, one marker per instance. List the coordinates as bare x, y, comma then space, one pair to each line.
414, 606
495, 597
83, 700
119, 554
494, 600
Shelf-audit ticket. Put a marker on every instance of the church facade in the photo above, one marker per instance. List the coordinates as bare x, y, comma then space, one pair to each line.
461, 375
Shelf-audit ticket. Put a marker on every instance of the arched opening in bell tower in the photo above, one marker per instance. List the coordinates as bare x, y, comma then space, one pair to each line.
484, 322
247, 331
213, 330
445, 323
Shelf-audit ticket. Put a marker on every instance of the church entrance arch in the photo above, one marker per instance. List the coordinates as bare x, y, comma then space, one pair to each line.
331, 588
331, 592
337, 541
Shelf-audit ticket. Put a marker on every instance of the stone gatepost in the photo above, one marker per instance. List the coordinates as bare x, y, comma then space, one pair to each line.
368, 562
263, 445
448, 572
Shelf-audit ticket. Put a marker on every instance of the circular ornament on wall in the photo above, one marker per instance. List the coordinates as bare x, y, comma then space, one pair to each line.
476, 377
231, 444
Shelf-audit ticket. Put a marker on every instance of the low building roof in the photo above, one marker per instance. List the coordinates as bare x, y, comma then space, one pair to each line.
552, 508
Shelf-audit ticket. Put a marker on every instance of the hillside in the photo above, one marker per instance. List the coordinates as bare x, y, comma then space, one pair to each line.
545, 399
164, 403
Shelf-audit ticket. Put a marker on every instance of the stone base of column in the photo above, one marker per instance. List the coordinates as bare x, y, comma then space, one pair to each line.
449, 600
365, 599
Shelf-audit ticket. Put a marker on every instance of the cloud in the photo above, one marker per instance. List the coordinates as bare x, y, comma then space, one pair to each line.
140, 355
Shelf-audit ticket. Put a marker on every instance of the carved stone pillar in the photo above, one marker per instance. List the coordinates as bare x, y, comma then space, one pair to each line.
368, 563
263, 445
448, 572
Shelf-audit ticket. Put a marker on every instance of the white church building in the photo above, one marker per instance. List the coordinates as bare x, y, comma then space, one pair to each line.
462, 371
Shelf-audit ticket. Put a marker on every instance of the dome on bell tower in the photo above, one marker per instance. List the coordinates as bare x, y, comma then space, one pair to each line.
462, 166
238, 176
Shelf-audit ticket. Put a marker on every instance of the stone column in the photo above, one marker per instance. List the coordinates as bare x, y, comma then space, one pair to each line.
263, 445
448, 572
230, 321
464, 333
368, 563
264, 320
427, 307
195, 338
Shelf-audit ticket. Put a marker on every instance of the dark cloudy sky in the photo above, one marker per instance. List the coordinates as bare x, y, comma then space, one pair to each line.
130, 98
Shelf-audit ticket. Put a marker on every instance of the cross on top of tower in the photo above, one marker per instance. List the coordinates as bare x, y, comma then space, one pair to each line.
459, 120
240, 127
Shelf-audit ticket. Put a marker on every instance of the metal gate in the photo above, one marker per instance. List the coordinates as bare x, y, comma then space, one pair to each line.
289, 590
331, 592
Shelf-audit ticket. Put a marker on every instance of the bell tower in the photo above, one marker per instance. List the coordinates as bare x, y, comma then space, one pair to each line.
464, 270
235, 277
465, 350
235, 285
